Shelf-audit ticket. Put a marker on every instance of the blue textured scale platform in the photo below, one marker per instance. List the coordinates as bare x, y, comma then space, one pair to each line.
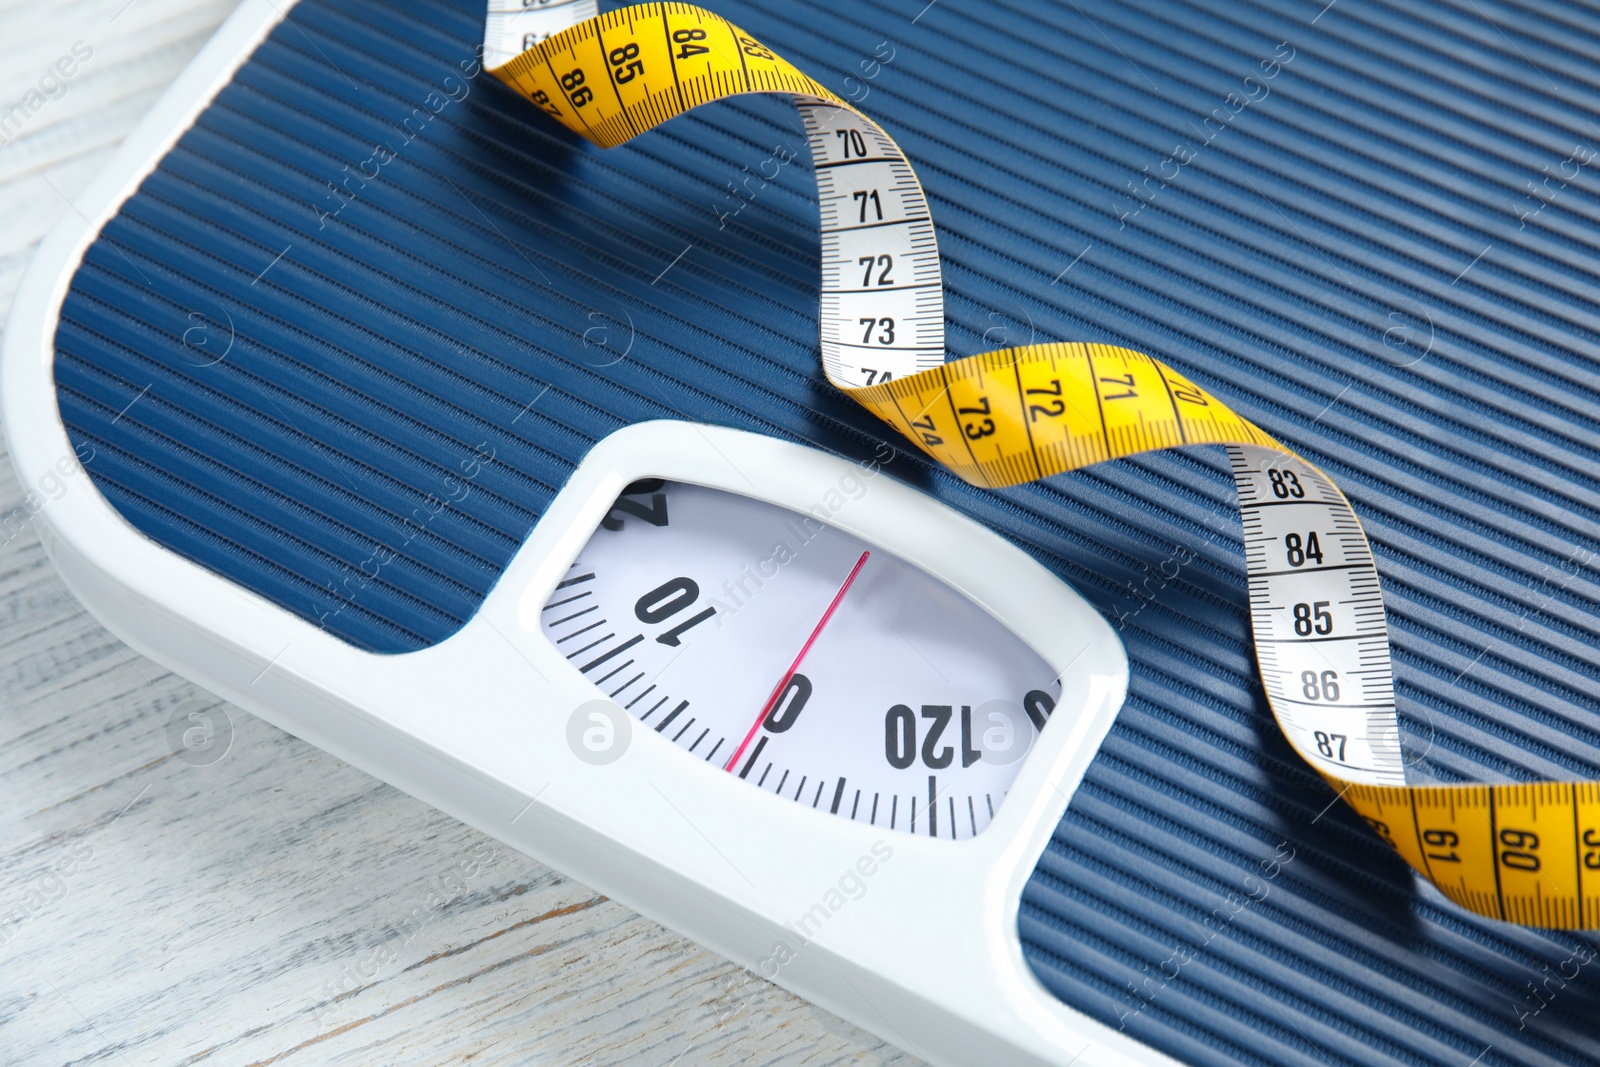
1369, 227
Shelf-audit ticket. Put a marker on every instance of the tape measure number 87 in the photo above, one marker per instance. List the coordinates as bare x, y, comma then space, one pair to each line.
1523, 853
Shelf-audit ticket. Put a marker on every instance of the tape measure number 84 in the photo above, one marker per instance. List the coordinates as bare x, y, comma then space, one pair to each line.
1523, 853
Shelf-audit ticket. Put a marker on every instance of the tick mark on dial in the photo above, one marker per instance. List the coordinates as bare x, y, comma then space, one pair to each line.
613, 674
576, 633
755, 754
629, 643
569, 618
664, 723
625, 685
592, 644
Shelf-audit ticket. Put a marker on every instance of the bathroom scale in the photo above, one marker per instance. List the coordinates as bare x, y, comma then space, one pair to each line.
1062, 533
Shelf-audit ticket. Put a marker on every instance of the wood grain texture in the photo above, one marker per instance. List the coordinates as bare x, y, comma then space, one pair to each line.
273, 905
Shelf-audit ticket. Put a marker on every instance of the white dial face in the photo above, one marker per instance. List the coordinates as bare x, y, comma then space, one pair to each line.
779, 649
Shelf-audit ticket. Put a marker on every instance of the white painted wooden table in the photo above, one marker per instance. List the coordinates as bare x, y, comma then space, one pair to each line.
274, 905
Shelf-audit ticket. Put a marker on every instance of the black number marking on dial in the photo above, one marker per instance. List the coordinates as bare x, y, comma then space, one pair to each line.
1038, 704
938, 716
900, 747
665, 601
969, 754
655, 512
900, 737
789, 705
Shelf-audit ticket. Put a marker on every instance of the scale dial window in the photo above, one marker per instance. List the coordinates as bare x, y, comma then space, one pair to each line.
773, 646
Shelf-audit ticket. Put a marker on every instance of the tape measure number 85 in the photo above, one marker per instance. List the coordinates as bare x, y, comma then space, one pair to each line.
1523, 853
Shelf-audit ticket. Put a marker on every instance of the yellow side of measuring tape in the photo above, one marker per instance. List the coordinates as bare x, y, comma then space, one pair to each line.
1524, 853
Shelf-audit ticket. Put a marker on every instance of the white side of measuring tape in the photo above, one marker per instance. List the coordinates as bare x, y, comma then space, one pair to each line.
514, 26
1320, 633
882, 301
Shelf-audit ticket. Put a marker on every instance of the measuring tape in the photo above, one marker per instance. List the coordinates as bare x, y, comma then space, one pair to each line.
1523, 853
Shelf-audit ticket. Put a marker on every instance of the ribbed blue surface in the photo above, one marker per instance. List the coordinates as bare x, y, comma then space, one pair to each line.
1306, 249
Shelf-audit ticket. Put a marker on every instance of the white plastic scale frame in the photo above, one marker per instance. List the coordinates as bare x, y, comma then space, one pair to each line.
928, 959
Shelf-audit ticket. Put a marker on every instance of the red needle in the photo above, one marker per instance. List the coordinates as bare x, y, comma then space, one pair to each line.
783, 683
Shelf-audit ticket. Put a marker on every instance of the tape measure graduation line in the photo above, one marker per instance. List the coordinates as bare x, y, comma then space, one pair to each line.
1524, 853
